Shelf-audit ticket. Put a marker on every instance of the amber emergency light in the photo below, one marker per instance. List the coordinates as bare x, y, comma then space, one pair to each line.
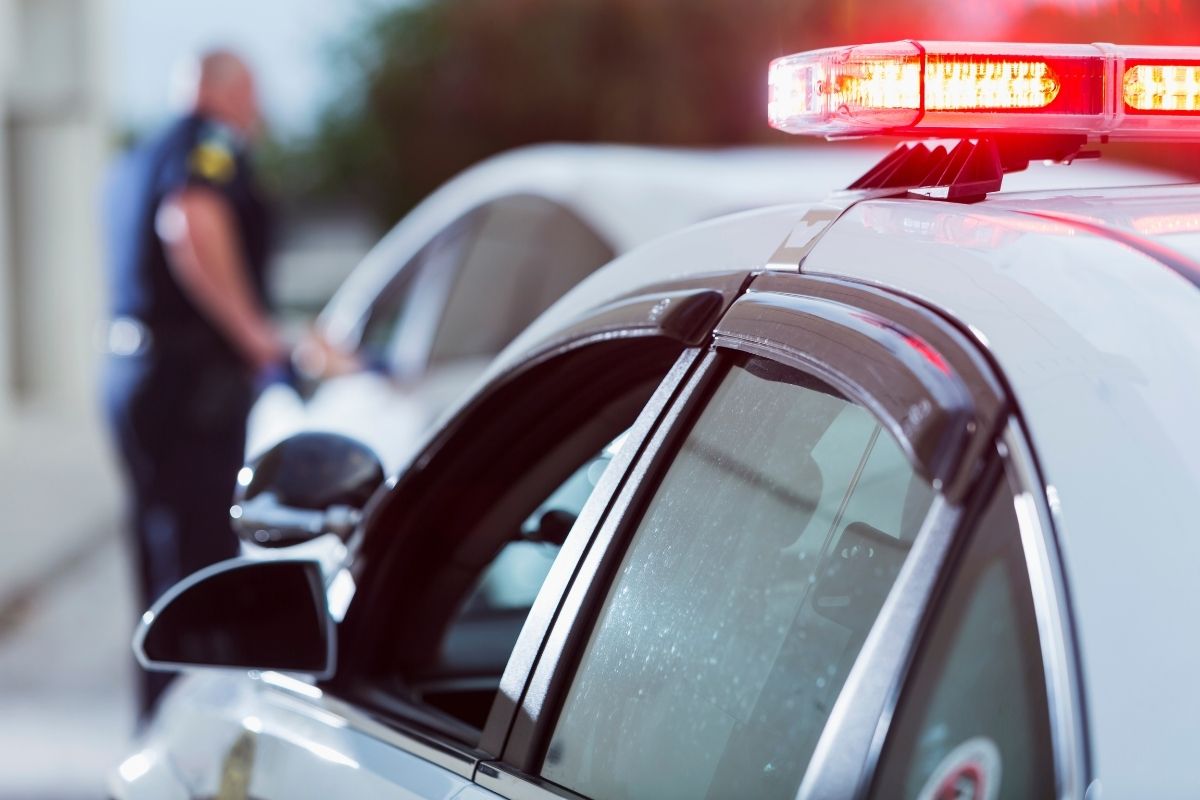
1001, 105
1099, 91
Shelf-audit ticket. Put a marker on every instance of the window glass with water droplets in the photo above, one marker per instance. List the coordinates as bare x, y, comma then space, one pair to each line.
746, 592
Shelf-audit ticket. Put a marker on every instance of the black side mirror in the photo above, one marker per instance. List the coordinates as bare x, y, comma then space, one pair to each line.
308, 485
243, 614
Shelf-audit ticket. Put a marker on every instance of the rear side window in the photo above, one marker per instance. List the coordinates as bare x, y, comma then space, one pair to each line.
973, 721
747, 590
385, 320
528, 253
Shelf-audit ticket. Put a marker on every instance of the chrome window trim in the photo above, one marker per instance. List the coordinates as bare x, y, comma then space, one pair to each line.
838, 765
1047, 585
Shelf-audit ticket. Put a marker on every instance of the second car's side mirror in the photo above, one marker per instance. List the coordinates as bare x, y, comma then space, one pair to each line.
242, 614
308, 485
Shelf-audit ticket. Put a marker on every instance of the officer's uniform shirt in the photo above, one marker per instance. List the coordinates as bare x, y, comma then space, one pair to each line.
191, 152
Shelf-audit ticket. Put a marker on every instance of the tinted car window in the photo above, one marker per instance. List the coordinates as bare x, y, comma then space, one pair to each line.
475, 533
528, 253
396, 302
745, 595
510, 584
973, 721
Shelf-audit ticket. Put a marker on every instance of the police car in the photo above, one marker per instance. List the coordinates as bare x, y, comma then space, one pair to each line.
899, 502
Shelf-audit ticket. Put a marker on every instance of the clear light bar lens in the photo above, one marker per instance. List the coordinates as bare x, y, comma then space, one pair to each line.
864, 86
1163, 88
967, 89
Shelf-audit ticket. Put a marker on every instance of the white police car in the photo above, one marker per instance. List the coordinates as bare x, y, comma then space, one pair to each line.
900, 501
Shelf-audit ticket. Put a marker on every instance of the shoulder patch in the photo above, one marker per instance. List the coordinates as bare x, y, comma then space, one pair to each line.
213, 161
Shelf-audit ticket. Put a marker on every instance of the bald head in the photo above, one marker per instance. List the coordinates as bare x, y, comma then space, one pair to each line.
219, 84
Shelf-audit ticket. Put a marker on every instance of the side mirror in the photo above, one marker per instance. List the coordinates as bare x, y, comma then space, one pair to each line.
243, 614
308, 485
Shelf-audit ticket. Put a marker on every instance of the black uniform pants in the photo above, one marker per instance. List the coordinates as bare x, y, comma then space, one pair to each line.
179, 420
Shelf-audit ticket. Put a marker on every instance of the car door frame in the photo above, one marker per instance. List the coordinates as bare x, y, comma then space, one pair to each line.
683, 312
866, 317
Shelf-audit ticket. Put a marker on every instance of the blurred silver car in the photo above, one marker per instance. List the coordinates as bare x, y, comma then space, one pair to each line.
454, 281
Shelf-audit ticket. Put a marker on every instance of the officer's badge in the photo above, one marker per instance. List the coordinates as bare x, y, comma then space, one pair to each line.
214, 161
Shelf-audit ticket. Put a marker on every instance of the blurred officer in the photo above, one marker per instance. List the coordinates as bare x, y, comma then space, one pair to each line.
187, 238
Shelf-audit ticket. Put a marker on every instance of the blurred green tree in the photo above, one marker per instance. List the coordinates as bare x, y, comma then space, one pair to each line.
433, 86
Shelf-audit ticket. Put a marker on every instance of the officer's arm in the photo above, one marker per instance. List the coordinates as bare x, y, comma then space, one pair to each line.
198, 228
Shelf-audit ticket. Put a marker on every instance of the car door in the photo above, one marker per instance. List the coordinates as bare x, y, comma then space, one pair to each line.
747, 612
465, 553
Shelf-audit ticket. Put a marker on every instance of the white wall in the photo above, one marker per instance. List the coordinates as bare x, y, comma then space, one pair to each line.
54, 171
53, 140
7, 323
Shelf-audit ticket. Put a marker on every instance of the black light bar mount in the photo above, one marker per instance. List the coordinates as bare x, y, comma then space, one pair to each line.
966, 170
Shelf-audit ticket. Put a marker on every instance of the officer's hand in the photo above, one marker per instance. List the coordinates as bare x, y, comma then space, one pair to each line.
315, 358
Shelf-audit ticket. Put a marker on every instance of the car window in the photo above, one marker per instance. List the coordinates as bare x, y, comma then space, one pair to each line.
529, 252
973, 721
398, 300
474, 534
485, 629
512, 580
748, 588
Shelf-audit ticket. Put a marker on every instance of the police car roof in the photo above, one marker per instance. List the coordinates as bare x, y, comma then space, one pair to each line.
1083, 299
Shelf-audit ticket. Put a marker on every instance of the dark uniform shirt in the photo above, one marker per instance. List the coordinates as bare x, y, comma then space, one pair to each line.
192, 151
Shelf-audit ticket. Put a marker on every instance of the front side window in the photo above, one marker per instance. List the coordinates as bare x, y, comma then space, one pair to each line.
481, 636
744, 597
472, 536
973, 721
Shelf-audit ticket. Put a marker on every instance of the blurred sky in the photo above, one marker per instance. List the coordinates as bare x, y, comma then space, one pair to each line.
286, 40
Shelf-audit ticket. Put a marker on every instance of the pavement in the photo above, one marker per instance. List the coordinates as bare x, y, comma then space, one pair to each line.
66, 611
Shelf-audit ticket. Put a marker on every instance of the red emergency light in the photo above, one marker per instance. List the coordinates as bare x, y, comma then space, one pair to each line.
958, 89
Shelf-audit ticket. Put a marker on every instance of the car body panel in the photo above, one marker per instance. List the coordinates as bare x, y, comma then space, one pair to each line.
1094, 339
271, 736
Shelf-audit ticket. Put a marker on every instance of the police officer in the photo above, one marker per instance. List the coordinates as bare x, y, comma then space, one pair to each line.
187, 233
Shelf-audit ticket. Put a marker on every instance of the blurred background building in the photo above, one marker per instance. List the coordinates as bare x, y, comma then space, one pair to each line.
372, 104
58, 495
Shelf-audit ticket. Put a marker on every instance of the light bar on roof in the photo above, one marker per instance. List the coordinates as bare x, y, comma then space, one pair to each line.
971, 88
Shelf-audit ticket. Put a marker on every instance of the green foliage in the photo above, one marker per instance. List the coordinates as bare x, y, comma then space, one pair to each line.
433, 86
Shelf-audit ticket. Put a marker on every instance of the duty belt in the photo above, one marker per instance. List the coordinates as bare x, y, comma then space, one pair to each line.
130, 336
